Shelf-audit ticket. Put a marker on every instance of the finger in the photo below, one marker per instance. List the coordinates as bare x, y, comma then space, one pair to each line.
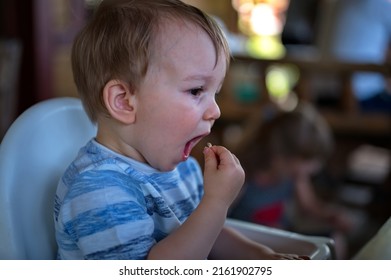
236, 159
224, 156
210, 159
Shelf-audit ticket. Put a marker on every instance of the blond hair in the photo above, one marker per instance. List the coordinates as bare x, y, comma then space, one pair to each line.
302, 133
118, 43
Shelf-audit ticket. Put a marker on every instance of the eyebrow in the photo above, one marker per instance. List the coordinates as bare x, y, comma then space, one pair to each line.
197, 77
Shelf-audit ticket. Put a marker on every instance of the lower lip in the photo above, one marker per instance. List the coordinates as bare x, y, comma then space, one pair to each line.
189, 146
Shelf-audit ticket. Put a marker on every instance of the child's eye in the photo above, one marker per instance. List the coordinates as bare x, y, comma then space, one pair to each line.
196, 91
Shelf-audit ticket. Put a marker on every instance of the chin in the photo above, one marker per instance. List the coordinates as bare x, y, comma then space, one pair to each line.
167, 167
170, 164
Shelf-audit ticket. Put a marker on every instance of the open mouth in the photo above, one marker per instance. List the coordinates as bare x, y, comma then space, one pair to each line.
190, 145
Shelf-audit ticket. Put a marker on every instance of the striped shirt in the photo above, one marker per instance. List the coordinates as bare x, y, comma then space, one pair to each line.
108, 206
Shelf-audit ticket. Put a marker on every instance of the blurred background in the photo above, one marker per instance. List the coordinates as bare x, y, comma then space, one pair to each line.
333, 54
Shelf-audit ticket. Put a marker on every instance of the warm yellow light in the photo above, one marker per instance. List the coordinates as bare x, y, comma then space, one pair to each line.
264, 21
280, 80
277, 82
265, 47
239, 4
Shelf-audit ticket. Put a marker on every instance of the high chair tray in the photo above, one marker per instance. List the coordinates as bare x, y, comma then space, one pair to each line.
315, 247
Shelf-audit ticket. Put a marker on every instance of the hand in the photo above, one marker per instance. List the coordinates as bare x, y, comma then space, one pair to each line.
341, 221
223, 175
279, 256
264, 252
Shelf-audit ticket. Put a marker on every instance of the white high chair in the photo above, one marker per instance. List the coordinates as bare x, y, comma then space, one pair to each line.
34, 153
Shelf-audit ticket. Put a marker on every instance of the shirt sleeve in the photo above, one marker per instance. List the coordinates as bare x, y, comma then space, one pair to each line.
105, 216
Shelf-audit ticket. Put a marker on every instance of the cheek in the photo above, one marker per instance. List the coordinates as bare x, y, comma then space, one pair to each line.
170, 114
182, 122
182, 113
171, 122
314, 167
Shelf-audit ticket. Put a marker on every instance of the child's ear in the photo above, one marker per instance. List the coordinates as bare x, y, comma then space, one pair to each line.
119, 101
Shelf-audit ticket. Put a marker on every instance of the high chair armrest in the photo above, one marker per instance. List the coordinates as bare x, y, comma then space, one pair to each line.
315, 247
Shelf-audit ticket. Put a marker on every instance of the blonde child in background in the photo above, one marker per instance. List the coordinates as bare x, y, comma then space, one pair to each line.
280, 159
148, 72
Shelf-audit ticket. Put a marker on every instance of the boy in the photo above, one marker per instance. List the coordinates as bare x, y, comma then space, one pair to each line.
148, 72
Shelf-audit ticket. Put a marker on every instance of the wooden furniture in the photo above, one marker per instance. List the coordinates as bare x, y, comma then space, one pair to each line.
346, 117
43, 29
10, 57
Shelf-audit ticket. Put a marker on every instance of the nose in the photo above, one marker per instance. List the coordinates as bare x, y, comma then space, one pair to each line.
213, 111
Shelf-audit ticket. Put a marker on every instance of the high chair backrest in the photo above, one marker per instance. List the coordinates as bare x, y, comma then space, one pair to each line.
34, 153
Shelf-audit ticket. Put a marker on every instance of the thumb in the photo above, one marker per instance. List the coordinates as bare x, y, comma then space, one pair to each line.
209, 159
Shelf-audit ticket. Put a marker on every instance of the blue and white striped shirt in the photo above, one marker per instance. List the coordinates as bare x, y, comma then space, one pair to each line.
108, 206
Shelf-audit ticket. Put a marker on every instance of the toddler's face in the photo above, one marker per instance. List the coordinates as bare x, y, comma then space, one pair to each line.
176, 103
297, 167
